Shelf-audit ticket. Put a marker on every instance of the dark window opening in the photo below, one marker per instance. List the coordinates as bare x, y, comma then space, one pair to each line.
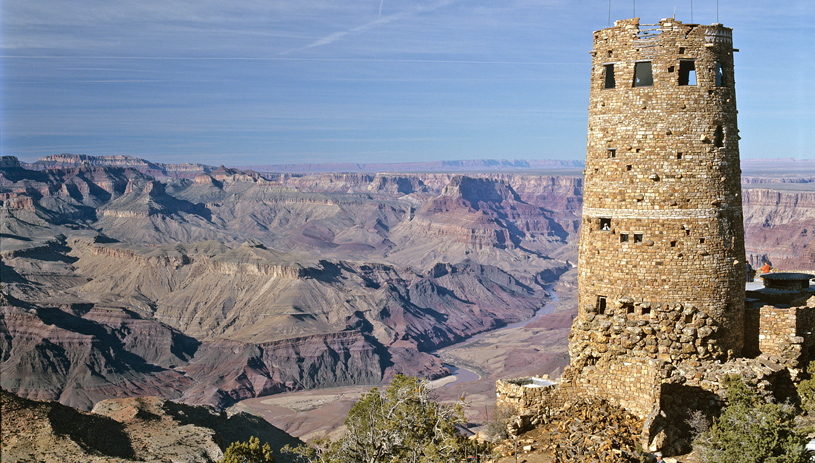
628, 167
718, 137
688, 318
673, 243
687, 73
601, 305
605, 224
638, 237
612, 152
629, 309
670, 69
643, 76
687, 232
609, 81
701, 241
678, 155
623, 237
681, 50
720, 80
646, 311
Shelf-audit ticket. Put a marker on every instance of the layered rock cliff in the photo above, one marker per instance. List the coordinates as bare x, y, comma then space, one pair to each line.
234, 284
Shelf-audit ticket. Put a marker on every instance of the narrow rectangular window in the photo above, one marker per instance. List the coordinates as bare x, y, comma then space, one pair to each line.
623, 237
678, 155
638, 237
609, 81
687, 73
646, 310
628, 167
601, 305
673, 243
643, 77
720, 80
612, 152
701, 241
605, 224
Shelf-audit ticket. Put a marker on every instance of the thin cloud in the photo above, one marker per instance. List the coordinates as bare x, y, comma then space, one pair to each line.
379, 21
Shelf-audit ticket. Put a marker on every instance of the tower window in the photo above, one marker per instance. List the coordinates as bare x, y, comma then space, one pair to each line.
678, 155
629, 308
643, 76
673, 243
612, 152
605, 224
637, 237
609, 79
628, 167
646, 310
720, 80
701, 241
687, 73
623, 237
601, 305
687, 232
718, 137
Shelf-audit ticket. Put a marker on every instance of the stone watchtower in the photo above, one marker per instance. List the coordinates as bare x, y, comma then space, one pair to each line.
662, 265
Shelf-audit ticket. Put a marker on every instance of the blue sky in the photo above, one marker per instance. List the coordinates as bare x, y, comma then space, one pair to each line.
293, 81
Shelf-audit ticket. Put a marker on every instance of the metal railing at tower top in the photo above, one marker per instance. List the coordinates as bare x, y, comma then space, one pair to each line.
649, 31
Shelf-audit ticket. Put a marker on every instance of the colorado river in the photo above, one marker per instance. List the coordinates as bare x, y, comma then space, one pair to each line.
464, 375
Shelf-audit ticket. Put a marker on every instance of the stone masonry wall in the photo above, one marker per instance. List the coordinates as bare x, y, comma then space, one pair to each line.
633, 384
661, 263
787, 333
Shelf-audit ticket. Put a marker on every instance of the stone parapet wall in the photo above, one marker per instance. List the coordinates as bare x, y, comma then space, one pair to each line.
526, 395
788, 333
633, 384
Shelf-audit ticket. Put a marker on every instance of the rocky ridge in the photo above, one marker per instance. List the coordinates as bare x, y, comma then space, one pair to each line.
125, 430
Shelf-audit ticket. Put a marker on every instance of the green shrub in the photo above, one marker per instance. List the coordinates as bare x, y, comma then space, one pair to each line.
400, 423
751, 431
806, 390
248, 452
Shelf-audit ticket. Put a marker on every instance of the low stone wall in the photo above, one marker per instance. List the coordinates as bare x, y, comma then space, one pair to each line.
526, 394
632, 383
788, 333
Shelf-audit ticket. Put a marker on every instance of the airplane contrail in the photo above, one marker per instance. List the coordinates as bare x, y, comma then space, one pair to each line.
380, 9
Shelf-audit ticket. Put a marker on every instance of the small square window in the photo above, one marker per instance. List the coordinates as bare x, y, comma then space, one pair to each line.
687, 73
605, 224
628, 167
612, 152
687, 232
623, 237
630, 309
688, 318
643, 76
673, 243
701, 241
646, 311
637, 237
681, 50
678, 155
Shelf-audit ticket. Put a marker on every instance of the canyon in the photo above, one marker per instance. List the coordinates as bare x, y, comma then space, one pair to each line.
122, 277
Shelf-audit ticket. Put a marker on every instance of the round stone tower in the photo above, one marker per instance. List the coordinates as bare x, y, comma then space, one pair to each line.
661, 265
